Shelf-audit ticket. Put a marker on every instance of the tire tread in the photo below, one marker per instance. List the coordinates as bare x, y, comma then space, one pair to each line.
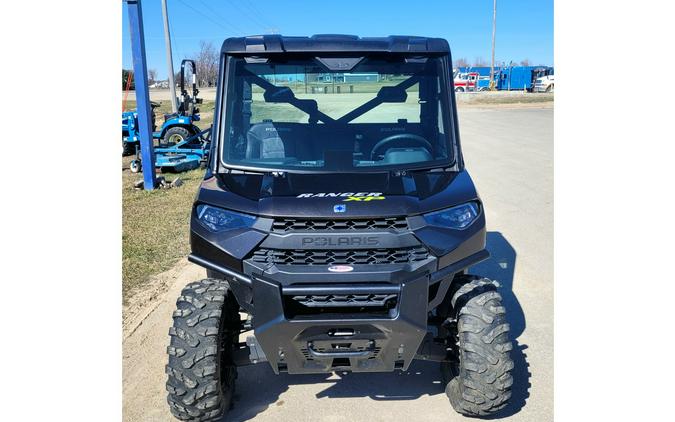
199, 387
483, 385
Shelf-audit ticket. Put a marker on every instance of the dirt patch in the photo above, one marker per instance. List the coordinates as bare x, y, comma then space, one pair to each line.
144, 299
146, 322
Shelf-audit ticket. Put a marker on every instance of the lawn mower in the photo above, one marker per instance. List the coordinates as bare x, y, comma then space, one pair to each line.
187, 154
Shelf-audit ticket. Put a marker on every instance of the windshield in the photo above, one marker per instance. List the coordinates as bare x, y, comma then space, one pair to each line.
384, 113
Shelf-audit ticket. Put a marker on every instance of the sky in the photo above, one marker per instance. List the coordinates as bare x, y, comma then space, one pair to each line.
524, 27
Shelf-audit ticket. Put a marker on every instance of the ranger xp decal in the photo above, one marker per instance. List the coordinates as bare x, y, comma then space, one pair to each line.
348, 196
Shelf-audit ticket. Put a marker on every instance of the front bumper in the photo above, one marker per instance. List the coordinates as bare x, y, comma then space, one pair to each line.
324, 341
372, 320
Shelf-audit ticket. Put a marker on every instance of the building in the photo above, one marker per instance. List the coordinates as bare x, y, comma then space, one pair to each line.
341, 78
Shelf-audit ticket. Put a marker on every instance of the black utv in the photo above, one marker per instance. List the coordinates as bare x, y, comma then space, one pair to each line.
336, 222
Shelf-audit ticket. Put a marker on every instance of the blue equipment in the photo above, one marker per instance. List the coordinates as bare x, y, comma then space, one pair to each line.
483, 83
520, 77
177, 127
130, 129
185, 155
481, 70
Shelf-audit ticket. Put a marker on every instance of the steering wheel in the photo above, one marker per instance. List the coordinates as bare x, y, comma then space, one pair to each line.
393, 138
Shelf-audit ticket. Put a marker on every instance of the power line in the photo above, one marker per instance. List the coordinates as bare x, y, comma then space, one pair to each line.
258, 13
220, 17
199, 12
251, 16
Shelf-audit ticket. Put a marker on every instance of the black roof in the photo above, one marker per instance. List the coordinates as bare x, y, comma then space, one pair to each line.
334, 43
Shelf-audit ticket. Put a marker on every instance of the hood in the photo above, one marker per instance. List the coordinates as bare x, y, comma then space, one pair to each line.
338, 195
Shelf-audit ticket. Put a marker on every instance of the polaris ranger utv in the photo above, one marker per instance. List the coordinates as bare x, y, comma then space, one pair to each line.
336, 221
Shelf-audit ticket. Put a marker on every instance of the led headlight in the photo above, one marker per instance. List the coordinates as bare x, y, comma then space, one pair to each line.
218, 219
459, 217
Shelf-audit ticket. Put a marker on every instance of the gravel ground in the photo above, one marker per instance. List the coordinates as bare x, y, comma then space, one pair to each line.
509, 152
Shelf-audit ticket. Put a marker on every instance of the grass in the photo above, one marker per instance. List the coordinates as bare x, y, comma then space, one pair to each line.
155, 226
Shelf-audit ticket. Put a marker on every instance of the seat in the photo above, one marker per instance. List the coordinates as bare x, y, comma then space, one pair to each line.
263, 141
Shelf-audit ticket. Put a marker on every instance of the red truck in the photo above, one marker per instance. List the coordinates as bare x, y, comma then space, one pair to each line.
467, 81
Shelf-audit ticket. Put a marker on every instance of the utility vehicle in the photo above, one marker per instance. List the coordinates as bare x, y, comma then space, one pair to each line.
337, 226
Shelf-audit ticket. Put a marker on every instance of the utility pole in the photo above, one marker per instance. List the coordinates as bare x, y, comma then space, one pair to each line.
169, 57
494, 30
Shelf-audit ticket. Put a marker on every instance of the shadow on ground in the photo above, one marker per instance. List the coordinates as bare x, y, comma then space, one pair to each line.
258, 388
501, 267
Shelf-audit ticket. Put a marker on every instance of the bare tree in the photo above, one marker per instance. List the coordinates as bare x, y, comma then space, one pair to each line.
461, 62
480, 62
207, 64
152, 76
525, 62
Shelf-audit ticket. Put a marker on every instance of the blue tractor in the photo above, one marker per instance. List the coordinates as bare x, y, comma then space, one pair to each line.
130, 139
177, 127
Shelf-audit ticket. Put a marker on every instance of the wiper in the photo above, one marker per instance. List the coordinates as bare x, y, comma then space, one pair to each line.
433, 169
240, 171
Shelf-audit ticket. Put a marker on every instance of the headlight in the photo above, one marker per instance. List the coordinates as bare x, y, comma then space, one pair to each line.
459, 217
218, 219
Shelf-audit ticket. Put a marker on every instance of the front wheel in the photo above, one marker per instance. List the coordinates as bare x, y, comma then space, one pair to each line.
479, 374
459, 89
135, 166
174, 135
201, 371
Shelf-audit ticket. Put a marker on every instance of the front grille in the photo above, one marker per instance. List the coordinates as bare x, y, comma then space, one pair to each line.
282, 225
340, 300
344, 257
344, 304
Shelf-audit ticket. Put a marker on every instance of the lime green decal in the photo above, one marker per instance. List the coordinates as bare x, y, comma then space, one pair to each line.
363, 198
